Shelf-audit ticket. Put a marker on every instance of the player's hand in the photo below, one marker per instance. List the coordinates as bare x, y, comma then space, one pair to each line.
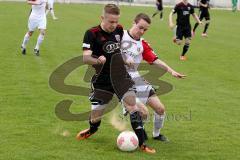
130, 62
178, 75
171, 25
101, 60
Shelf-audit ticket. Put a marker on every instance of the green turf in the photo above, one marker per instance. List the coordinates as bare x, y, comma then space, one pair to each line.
203, 110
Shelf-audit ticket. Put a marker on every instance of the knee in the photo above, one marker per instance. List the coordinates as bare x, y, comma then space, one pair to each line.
30, 33
143, 112
43, 33
188, 42
160, 110
178, 42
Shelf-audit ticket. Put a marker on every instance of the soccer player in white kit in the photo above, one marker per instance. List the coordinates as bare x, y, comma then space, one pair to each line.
134, 50
37, 19
50, 9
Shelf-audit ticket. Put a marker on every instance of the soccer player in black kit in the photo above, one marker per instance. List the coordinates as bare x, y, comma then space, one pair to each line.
101, 49
203, 13
183, 28
159, 6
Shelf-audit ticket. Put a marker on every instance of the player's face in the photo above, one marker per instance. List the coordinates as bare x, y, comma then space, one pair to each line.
110, 22
140, 28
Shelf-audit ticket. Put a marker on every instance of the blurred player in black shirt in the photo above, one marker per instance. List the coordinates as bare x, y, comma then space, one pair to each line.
101, 49
203, 13
159, 6
183, 28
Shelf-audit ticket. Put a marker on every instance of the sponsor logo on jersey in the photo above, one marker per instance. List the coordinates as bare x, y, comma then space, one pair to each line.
185, 13
118, 37
111, 47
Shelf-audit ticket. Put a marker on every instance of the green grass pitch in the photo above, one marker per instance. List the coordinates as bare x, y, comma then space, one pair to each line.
203, 109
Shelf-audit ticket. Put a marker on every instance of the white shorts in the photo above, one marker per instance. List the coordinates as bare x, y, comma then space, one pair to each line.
50, 5
143, 93
34, 23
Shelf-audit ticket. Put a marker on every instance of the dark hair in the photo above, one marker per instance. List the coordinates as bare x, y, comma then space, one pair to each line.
143, 16
111, 9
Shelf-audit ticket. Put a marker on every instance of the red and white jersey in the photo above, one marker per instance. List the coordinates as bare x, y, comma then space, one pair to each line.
138, 50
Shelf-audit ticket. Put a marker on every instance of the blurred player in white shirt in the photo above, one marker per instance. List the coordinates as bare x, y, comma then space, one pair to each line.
37, 20
50, 8
135, 49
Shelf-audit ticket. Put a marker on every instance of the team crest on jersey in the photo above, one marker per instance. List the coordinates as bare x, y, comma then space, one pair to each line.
138, 49
117, 37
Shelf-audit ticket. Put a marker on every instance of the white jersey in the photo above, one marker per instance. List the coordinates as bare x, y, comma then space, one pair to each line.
38, 11
138, 50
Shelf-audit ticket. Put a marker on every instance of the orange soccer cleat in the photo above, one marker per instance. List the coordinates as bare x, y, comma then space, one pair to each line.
147, 149
83, 134
183, 58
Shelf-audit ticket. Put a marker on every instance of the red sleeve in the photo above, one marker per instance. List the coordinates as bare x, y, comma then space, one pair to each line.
148, 54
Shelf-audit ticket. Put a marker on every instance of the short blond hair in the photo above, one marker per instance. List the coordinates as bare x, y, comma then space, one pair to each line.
111, 9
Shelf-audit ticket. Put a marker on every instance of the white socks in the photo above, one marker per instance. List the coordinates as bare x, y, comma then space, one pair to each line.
158, 121
25, 40
39, 41
52, 13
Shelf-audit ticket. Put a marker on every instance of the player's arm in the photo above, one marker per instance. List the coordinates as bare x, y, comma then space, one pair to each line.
151, 58
128, 60
33, 2
88, 43
203, 5
171, 24
88, 59
159, 63
196, 18
46, 8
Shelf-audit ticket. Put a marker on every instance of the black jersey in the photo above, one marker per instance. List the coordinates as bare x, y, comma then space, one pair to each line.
204, 2
103, 43
159, 5
183, 14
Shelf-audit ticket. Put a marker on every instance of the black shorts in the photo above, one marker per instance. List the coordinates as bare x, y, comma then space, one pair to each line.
159, 7
183, 32
103, 89
204, 14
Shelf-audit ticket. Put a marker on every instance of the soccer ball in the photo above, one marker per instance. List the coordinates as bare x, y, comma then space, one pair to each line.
127, 141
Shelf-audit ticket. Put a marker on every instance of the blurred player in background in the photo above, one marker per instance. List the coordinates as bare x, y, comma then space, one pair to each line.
50, 9
234, 5
183, 28
203, 13
37, 20
159, 6
134, 50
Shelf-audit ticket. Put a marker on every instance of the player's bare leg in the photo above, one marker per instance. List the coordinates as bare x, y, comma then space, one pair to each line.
159, 115
129, 101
